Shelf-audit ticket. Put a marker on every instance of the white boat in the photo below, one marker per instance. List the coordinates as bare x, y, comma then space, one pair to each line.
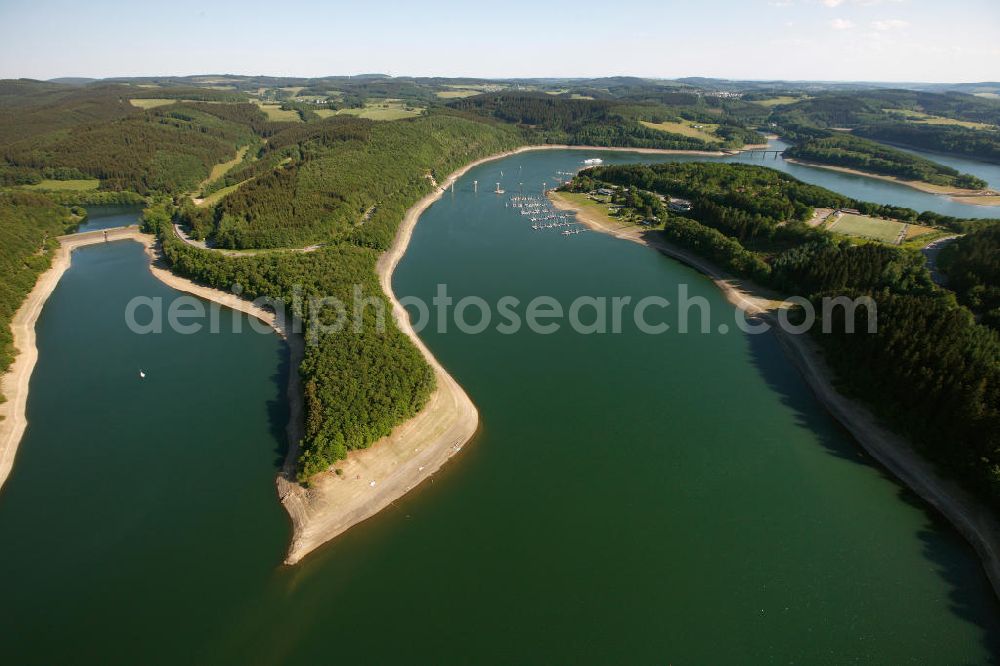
142, 375
594, 160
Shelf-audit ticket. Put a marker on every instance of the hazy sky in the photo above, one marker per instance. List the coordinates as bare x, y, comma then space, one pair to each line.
883, 40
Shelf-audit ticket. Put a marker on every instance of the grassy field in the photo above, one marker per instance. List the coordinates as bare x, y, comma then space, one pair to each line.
276, 113
596, 209
704, 131
926, 119
65, 185
917, 231
220, 170
324, 113
775, 101
151, 103
388, 109
885, 231
217, 196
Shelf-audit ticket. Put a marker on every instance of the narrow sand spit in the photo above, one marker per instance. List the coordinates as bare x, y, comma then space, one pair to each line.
973, 521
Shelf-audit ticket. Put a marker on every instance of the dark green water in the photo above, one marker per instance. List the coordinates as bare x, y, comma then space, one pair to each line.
631, 498
110, 215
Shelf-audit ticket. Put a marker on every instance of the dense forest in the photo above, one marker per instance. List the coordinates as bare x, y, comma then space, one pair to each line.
856, 153
930, 370
347, 178
167, 149
29, 224
972, 266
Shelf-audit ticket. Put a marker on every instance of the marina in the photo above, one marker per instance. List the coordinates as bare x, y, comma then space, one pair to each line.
544, 216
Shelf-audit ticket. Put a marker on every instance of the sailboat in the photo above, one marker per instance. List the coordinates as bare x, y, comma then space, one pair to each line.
142, 375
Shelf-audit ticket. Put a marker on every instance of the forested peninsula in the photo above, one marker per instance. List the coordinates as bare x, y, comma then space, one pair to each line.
931, 370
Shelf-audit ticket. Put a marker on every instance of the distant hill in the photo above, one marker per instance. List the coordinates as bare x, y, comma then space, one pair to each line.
73, 80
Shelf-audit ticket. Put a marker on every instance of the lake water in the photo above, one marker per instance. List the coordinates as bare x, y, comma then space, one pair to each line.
630, 498
110, 215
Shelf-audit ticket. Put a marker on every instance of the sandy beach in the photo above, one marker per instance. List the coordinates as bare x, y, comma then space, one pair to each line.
975, 522
973, 197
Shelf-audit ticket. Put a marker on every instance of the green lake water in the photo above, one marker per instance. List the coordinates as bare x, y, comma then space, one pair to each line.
108, 216
630, 498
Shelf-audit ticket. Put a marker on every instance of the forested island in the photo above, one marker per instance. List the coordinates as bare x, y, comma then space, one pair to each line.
930, 369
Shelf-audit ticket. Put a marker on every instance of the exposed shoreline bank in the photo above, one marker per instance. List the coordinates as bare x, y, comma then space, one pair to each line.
969, 197
16, 380
968, 516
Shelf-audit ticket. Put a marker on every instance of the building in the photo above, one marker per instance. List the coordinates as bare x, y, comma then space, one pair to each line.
679, 205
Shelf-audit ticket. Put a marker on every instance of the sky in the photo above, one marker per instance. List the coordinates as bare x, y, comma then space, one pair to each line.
831, 40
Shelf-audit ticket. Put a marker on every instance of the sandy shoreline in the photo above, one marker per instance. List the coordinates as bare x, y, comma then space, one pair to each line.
971, 197
16, 381
973, 521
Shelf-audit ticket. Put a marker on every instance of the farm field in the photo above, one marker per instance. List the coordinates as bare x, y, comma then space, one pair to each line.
926, 119
276, 113
389, 109
885, 231
152, 102
457, 94
775, 101
703, 131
